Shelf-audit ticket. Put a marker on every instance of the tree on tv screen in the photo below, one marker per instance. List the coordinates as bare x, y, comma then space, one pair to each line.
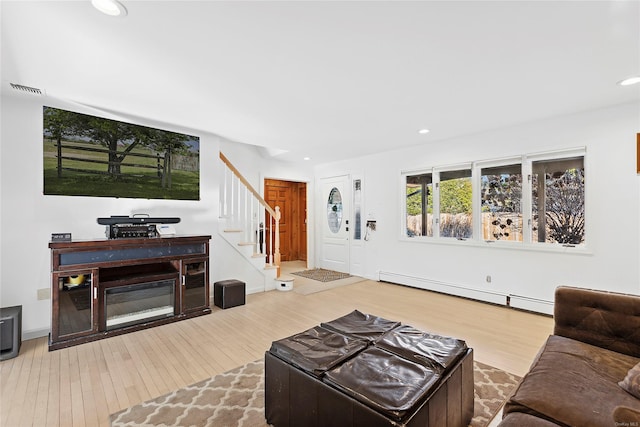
84, 152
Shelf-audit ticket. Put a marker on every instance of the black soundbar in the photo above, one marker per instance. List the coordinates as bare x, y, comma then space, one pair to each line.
122, 219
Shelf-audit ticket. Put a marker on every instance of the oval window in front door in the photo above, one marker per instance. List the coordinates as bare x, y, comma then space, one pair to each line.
334, 210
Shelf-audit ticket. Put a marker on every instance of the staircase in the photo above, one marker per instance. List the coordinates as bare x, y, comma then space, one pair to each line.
249, 224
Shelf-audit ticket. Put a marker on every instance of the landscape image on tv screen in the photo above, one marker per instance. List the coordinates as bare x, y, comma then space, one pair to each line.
86, 155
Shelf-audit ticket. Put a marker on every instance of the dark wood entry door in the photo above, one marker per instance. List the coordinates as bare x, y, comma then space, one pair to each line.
292, 199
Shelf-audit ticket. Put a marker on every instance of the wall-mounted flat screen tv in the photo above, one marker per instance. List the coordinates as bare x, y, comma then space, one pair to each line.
86, 155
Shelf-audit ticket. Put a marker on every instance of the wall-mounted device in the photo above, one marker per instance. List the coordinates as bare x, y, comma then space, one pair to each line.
371, 226
127, 227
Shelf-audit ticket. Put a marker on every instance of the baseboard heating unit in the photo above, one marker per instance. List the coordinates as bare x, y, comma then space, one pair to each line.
531, 304
443, 287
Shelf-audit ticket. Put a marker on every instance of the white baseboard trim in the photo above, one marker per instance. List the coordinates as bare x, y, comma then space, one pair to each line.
443, 287
255, 290
531, 304
35, 333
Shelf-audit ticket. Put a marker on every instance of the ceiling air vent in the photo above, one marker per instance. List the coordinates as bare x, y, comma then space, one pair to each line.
27, 89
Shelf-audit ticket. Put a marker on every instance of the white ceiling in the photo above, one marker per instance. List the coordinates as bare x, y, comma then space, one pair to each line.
328, 79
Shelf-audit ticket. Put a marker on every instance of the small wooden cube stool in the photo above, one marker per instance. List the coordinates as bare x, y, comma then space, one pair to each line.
228, 293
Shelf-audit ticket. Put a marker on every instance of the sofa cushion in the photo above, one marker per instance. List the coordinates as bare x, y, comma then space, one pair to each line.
605, 319
574, 383
631, 382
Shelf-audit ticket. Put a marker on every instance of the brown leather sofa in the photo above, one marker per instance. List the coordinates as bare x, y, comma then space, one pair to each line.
577, 378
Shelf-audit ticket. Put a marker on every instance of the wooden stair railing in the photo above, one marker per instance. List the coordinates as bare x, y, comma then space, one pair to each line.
233, 206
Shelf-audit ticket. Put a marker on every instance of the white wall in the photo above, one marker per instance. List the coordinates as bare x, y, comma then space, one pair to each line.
27, 217
612, 210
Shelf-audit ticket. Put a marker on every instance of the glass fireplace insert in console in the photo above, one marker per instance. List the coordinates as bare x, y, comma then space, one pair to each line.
138, 294
138, 303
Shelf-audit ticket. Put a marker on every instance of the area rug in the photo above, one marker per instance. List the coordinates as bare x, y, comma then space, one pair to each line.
322, 275
236, 399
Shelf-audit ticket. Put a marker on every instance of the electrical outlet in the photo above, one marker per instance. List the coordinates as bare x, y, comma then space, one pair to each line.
44, 293
488, 279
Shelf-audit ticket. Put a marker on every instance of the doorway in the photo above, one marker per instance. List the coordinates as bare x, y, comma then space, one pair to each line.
335, 208
292, 199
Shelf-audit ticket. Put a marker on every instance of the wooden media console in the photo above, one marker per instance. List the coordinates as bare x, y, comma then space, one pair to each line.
106, 287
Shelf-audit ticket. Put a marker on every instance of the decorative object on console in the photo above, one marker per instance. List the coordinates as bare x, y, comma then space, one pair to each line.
125, 227
60, 237
165, 229
75, 280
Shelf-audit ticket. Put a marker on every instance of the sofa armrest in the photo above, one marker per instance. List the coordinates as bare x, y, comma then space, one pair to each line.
605, 319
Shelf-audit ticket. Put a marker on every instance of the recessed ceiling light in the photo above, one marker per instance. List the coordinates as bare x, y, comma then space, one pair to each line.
306, 158
629, 81
423, 131
110, 7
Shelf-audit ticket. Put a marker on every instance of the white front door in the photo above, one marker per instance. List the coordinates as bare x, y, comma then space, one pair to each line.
334, 214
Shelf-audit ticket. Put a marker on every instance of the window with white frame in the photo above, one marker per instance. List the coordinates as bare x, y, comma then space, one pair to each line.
455, 207
501, 202
419, 205
529, 199
557, 201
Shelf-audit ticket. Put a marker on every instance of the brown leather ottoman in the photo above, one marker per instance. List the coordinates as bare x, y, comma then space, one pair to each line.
293, 367
229, 293
404, 377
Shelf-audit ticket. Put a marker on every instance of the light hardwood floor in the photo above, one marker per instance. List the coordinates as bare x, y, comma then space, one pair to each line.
82, 385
